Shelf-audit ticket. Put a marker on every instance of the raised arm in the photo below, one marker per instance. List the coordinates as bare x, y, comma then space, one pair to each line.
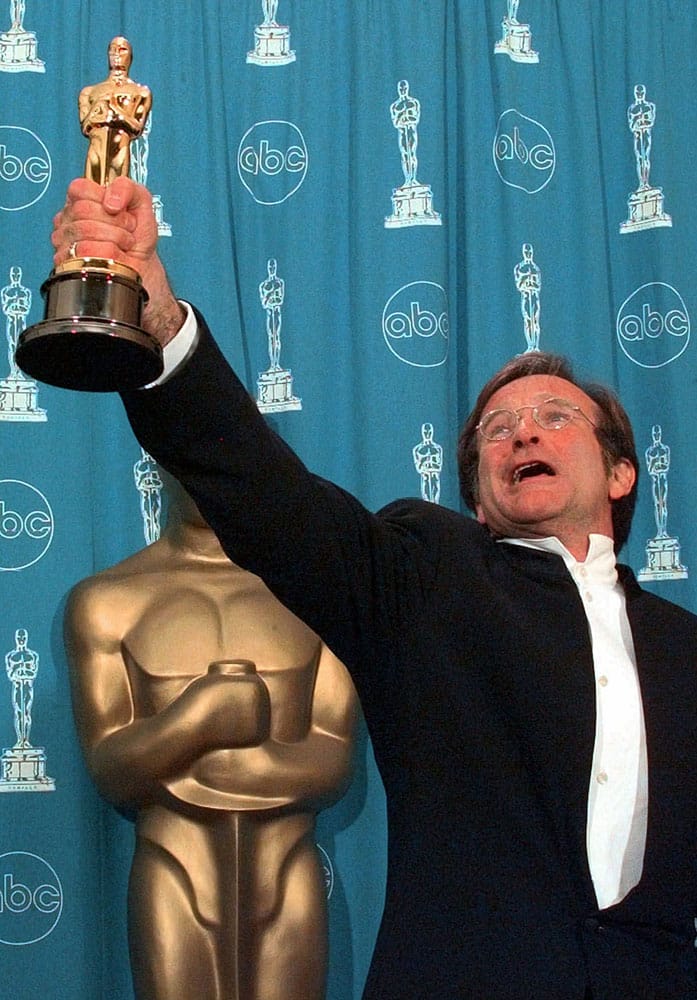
339, 568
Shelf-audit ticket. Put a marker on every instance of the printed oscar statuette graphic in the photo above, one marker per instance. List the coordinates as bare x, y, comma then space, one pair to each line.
412, 201
18, 394
23, 766
663, 550
90, 338
646, 204
516, 41
18, 46
271, 39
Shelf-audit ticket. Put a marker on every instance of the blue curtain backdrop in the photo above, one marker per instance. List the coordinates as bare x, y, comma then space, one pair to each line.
442, 184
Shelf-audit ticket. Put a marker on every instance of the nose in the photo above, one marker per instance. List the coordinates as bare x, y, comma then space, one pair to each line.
526, 430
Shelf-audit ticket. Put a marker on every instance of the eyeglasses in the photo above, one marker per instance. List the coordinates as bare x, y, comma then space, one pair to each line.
552, 415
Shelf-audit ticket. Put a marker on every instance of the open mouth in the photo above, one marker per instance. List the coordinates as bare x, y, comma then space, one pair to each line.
530, 470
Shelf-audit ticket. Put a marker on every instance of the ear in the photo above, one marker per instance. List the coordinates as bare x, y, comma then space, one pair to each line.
621, 479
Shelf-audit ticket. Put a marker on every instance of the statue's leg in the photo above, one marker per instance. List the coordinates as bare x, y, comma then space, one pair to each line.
289, 956
173, 952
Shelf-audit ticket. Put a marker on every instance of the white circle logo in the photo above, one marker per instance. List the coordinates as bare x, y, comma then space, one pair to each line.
653, 325
26, 525
31, 898
327, 870
523, 152
415, 324
272, 161
25, 168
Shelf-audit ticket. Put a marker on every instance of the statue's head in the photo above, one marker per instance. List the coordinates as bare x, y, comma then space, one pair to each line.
120, 53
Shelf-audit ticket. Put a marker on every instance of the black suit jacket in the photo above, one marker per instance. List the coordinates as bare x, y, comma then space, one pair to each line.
473, 663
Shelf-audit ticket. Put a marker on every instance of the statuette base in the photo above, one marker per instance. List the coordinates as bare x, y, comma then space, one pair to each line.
663, 560
271, 46
24, 770
516, 43
645, 211
412, 205
275, 392
90, 338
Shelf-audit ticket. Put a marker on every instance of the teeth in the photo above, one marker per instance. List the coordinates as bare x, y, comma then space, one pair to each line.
542, 470
519, 472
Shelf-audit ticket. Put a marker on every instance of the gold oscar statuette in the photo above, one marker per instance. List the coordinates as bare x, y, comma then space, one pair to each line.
90, 338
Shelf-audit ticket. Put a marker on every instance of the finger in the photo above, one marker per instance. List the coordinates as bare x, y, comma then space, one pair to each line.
102, 230
91, 210
122, 193
84, 249
90, 239
83, 189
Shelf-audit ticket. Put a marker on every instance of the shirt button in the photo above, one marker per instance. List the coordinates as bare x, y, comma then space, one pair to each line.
603, 681
588, 596
601, 777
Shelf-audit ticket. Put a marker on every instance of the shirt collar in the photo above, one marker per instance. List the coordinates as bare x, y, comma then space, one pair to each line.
599, 564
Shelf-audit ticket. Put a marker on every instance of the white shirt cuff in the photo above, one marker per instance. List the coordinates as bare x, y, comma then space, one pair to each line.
179, 348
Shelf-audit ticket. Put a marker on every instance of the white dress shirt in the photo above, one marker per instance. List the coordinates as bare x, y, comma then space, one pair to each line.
618, 782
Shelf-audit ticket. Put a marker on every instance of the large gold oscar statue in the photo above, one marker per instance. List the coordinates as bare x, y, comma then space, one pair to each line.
211, 712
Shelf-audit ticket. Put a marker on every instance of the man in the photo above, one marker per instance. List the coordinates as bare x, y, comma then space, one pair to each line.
219, 720
538, 742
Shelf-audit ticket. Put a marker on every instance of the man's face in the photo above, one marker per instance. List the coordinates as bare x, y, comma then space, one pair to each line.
539, 482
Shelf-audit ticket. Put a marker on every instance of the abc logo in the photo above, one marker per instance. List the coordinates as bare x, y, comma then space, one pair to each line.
653, 326
415, 324
26, 524
25, 168
31, 898
327, 870
272, 161
523, 152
